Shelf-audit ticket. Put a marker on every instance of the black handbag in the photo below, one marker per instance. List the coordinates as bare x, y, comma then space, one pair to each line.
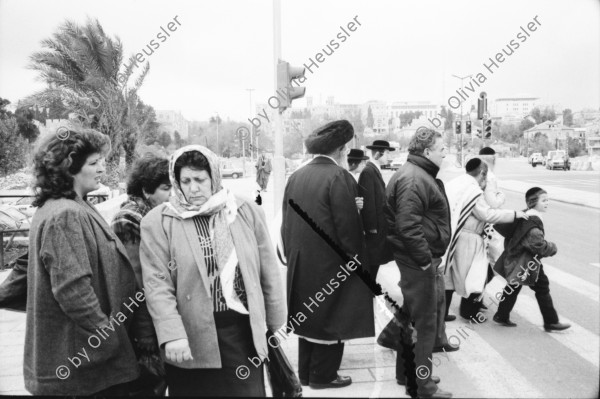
283, 379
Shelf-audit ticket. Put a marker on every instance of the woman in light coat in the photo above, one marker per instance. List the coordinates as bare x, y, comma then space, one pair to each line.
212, 282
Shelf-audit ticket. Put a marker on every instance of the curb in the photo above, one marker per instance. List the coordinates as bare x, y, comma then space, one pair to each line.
570, 202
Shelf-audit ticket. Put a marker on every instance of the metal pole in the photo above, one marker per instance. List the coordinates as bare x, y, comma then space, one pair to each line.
218, 134
278, 160
251, 128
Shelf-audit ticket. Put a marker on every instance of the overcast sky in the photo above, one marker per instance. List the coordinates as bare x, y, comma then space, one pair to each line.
402, 51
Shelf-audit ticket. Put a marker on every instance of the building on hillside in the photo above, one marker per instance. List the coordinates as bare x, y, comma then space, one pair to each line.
513, 107
556, 133
171, 121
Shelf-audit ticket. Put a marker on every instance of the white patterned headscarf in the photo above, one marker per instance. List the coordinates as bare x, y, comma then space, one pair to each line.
221, 199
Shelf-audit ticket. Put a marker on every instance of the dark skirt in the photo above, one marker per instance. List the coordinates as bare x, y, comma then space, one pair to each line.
235, 346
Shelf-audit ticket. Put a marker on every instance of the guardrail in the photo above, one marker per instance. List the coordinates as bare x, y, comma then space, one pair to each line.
97, 199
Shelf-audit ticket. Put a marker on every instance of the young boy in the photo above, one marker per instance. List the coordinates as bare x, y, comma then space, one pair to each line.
519, 264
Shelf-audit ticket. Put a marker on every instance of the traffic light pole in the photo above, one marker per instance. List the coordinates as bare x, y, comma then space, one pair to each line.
278, 159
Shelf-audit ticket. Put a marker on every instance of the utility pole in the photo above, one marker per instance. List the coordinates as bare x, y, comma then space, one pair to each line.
251, 128
278, 160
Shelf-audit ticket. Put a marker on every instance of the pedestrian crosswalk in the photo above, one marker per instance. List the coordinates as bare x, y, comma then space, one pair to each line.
524, 361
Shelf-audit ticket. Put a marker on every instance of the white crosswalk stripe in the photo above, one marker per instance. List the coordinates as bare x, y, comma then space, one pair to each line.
481, 362
578, 339
573, 283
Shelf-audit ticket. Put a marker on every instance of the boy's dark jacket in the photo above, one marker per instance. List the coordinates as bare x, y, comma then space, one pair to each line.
524, 246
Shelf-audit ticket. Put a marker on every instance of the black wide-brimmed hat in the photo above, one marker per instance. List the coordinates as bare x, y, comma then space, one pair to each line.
380, 145
327, 138
358, 155
487, 151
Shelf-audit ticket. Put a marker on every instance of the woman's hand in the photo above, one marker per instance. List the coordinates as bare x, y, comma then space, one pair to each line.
178, 350
359, 203
521, 215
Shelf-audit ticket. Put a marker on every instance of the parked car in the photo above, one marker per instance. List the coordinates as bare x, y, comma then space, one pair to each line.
536, 159
398, 161
232, 172
558, 159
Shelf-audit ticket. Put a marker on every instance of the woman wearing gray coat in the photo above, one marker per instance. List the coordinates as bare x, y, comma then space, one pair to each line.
81, 286
211, 280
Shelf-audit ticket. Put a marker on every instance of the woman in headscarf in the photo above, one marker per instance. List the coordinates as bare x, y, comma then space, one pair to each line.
148, 185
211, 280
81, 285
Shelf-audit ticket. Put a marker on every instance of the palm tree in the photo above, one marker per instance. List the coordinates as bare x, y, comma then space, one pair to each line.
81, 67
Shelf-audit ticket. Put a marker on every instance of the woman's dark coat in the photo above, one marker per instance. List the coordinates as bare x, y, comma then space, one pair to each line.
335, 305
80, 302
372, 188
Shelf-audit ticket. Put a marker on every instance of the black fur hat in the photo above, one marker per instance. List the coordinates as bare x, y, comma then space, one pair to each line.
473, 164
487, 151
327, 138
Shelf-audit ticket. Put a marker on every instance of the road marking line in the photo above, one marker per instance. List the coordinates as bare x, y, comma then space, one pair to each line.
578, 339
481, 363
595, 265
573, 283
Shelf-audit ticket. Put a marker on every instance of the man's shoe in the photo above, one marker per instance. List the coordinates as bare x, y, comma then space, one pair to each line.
445, 348
304, 383
556, 327
439, 394
505, 323
339, 382
434, 378
450, 317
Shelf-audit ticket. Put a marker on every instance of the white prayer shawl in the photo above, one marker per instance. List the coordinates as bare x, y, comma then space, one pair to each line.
463, 193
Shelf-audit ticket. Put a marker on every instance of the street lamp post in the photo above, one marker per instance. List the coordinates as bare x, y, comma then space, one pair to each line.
461, 116
251, 128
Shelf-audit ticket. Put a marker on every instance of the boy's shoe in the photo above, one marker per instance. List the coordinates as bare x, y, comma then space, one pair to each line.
556, 327
505, 323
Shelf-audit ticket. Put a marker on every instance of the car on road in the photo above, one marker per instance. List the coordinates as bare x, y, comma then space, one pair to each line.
231, 171
398, 161
558, 159
536, 159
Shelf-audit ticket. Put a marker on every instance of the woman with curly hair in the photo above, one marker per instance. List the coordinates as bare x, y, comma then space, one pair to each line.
148, 185
81, 285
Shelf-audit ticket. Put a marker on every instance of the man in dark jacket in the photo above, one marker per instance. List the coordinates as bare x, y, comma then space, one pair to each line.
326, 192
419, 231
371, 188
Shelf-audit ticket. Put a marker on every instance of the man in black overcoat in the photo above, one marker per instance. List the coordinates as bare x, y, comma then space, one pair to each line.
371, 188
327, 302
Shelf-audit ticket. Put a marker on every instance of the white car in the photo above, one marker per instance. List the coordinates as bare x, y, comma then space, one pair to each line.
536, 159
398, 161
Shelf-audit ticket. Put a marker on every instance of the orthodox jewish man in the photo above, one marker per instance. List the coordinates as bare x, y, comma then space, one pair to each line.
328, 302
466, 257
371, 188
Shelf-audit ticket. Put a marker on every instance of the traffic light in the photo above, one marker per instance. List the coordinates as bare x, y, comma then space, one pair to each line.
458, 130
479, 133
285, 91
487, 128
468, 127
481, 105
